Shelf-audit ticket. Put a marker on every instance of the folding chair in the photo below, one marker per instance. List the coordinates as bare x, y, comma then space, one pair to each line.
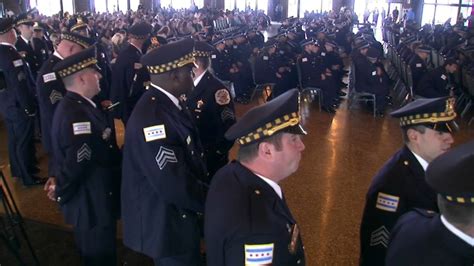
313, 91
355, 96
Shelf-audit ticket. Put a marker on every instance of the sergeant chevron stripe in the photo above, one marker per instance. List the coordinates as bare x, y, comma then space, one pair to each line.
227, 114
165, 156
84, 153
380, 237
55, 96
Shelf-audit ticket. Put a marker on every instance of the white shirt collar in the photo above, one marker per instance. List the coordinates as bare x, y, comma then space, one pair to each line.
8, 44
58, 55
198, 78
24, 39
171, 96
457, 232
422, 161
90, 101
273, 184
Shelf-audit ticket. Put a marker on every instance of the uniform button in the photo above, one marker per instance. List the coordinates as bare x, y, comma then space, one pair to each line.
298, 261
58, 199
111, 146
202, 154
184, 216
192, 152
110, 193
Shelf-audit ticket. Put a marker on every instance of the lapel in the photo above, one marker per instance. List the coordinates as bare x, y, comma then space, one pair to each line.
200, 89
268, 194
179, 116
413, 164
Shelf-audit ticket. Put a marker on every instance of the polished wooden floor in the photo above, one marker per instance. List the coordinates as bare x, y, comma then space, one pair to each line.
326, 195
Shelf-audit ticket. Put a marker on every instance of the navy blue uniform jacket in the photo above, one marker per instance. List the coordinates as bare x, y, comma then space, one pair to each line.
242, 209
88, 178
16, 97
161, 187
50, 90
213, 112
420, 238
397, 188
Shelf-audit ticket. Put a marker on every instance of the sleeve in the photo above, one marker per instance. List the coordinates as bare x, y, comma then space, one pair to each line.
77, 152
20, 78
167, 165
381, 212
122, 78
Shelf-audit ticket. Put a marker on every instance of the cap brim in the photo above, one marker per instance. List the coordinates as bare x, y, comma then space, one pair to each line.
446, 127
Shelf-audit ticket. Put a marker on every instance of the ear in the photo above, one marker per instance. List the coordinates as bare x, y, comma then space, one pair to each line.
265, 150
412, 135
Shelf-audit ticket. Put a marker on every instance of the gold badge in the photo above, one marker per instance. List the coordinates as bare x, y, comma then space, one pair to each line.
295, 232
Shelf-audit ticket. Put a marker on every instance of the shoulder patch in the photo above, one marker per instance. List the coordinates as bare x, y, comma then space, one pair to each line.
380, 236
265, 57
304, 59
165, 156
18, 63
154, 133
81, 128
443, 77
418, 65
213, 56
222, 97
49, 77
387, 202
259, 254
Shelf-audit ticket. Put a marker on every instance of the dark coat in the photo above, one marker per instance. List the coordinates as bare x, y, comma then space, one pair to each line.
420, 238
88, 161
418, 70
221, 64
50, 90
17, 99
30, 56
397, 188
162, 171
434, 84
127, 75
213, 112
41, 50
242, 209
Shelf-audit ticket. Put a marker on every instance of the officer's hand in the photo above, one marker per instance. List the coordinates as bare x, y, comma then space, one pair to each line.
278, 75
106, 103
323, 77
50, 187
379, 71
281, 69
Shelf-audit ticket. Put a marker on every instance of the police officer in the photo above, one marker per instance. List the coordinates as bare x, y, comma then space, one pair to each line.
212, 108
400, 185
84, 147
81, 27
437, 83
163, 166
418, 65
258, 227
17, 105
25, 44
421, 237
220, 60
50, 87
40, 44
371, 79
314, 74
127, 86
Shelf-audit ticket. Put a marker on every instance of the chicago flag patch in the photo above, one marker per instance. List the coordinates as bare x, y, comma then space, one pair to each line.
258, 254
387, 202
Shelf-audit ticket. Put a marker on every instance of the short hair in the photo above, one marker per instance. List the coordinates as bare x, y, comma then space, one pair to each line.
69, 80
419, 128
249, 152
456, 213
203, 62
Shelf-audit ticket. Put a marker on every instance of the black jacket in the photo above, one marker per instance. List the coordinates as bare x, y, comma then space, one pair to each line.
243, 211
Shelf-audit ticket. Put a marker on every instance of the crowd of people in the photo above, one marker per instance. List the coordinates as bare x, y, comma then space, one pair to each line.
170, 77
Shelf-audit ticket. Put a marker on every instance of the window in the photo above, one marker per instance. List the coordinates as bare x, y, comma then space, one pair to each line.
229, 4
51, 7
428, 14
